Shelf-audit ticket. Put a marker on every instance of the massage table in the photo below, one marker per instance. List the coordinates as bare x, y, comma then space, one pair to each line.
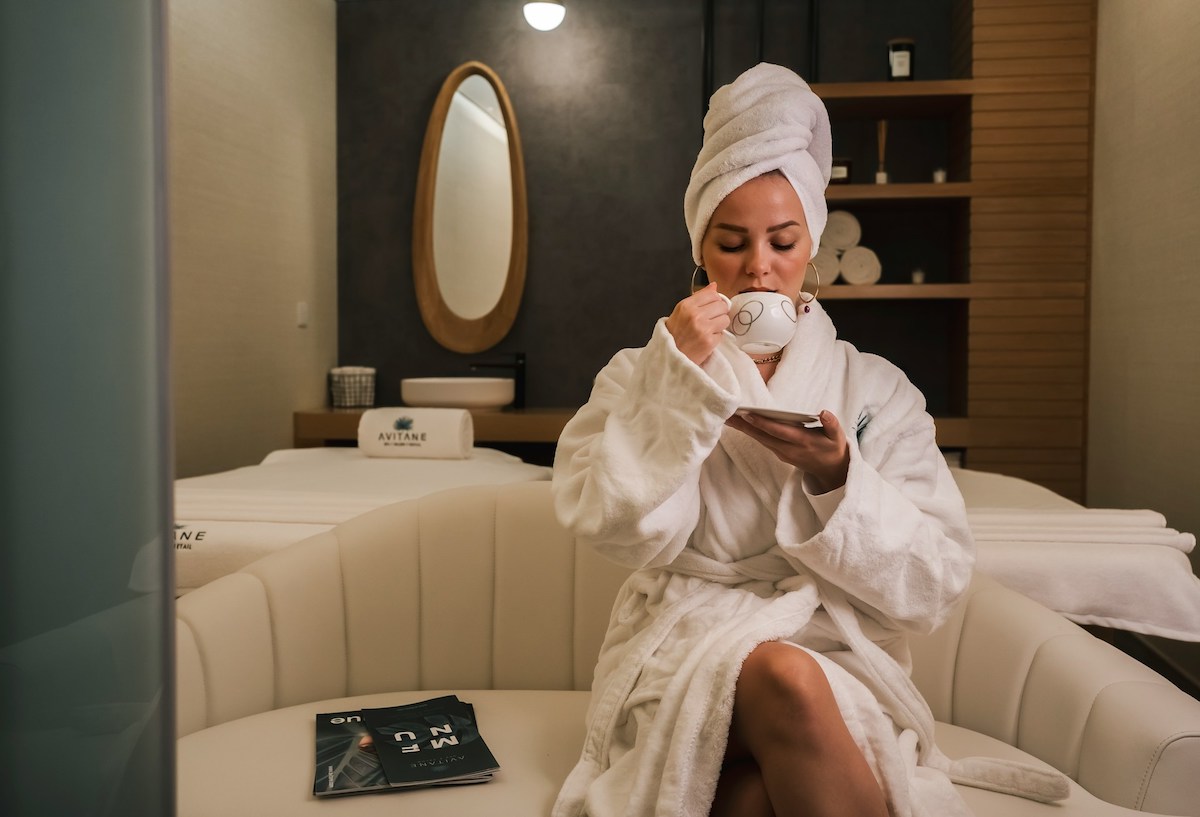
227, 520
1122, 569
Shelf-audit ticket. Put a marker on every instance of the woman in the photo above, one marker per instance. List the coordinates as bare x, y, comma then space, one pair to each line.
755, 662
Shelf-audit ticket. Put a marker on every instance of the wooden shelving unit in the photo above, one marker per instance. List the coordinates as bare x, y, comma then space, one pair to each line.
970, 291
1019, 129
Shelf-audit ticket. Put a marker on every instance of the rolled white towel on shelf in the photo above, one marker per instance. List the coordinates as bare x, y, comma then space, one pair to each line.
860, 265
427, 433
827, 263
842, 231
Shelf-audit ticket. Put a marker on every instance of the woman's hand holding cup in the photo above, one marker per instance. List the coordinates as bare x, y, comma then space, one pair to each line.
758, 322
698, 322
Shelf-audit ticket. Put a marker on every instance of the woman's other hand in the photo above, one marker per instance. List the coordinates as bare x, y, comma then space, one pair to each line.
696, 323
822, 453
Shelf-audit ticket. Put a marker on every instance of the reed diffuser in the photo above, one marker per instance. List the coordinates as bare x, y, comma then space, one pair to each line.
881, 176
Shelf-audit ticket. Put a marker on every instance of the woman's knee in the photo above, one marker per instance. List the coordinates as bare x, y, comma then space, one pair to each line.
783, 686
774, 668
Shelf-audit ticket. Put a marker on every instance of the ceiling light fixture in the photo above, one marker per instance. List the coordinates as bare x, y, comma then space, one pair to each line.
545, 14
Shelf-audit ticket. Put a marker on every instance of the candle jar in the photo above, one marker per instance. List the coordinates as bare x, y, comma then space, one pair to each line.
901, 57
839, 172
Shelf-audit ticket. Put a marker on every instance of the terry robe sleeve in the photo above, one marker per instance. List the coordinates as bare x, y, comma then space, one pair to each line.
654, 408
897, 542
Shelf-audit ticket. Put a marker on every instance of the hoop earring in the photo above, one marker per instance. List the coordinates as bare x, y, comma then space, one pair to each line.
811, 296
695, 288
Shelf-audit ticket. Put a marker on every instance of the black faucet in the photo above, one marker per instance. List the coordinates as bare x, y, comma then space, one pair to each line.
517, 367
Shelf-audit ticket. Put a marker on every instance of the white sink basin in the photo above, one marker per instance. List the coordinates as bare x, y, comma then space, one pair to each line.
457, 392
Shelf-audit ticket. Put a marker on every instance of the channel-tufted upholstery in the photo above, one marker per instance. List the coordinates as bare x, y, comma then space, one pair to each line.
480, 592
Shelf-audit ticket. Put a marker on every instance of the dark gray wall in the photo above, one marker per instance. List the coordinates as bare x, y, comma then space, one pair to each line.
609, 107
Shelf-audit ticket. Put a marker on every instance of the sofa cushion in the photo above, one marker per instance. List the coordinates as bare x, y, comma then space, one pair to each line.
262, 765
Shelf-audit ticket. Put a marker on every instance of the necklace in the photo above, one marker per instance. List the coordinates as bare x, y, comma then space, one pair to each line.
768, 359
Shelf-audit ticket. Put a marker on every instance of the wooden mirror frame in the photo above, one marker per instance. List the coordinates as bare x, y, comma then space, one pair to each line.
467, 335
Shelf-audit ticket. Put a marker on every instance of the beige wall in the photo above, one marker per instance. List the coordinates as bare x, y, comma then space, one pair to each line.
1144, 412
253, 222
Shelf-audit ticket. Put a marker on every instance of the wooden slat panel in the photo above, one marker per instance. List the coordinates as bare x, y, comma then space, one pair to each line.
1000, 273
1039, 472
1025, 187
1029, 238
1031, 13
1021, 432
1025, 408
1031, 151
1021, 341
1036, 136
1072, 100
1031, 31
988, 4
974, 291
1048, 455
1081, 47
1030, 140
1017, 274
1036, 255
1025, 204
1027, 391
1066, 83
1030, 324
1029, 219
1021, 170
1024, 306
953, 432
986, 357
1049, 118
1032, 67
1070, 487
997, 375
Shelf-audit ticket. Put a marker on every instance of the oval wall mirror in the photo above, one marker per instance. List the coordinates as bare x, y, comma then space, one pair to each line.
469, 220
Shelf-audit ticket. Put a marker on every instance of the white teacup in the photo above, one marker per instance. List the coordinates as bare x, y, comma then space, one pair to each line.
761, 323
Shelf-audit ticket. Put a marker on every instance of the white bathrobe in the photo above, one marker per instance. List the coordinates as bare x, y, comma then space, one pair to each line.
734, 551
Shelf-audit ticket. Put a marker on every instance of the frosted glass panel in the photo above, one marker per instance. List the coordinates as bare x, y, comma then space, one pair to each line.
85, 725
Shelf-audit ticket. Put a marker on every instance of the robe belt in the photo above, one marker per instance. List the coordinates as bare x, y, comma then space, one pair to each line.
770, 566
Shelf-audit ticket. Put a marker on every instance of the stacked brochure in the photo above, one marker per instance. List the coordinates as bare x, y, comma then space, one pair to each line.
430, 743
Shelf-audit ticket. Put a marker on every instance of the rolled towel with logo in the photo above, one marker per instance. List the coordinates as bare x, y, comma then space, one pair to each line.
425, 433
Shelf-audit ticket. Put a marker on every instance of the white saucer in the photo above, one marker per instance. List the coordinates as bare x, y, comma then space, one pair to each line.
796, 418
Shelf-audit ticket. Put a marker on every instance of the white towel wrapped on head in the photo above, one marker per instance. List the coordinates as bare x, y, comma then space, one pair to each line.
767, 119
429, 433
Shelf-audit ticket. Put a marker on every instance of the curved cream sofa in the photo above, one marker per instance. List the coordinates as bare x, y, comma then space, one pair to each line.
479, 591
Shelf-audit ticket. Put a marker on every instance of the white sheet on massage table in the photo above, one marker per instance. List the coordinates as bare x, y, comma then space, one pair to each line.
349, 471
1142, 582
226, 520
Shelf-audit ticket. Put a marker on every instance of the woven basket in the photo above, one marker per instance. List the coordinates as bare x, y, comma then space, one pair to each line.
353, 389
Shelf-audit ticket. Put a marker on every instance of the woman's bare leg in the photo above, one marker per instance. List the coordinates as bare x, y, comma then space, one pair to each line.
740, 792
786, 718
